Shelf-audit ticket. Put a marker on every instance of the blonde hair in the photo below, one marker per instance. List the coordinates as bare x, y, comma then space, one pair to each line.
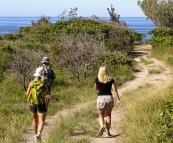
104, 75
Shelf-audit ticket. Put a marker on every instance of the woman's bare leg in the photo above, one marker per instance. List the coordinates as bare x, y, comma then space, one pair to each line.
41, 117
34, 122
101, 113
108, 119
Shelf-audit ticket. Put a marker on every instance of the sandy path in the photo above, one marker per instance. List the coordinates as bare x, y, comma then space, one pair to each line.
142, 77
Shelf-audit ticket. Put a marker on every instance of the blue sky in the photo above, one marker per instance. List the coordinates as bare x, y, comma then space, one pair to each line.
56, 7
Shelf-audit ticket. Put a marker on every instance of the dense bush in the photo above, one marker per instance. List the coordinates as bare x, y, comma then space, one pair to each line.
121, 67
6, 57
162, 37
170, 61
117, 36
77, 44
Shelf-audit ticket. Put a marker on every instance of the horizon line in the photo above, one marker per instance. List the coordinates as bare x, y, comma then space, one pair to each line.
77, 17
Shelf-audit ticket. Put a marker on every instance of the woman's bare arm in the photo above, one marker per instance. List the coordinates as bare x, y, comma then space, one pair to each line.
29, 88
115, 92
95, 86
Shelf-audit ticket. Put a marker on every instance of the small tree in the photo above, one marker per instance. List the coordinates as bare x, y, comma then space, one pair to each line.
159, 11
63, 16
42, 21
80, 53
73, 13
114, 17
24, 64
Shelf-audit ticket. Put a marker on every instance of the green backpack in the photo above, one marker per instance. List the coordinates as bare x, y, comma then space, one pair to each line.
37, 92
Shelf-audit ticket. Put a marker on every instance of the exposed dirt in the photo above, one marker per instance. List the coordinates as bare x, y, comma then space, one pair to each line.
142, 77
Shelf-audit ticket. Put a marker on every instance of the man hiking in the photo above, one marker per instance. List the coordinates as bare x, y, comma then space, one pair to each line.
49, 77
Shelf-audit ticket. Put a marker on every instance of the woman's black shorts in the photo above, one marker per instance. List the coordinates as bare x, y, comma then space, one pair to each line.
38, 108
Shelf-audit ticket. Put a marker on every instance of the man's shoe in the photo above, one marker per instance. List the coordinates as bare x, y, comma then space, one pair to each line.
108, 135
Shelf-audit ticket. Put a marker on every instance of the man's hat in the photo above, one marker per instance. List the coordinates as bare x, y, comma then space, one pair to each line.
45, 60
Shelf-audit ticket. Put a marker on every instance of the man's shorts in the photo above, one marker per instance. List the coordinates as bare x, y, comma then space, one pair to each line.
38, 108
105, 101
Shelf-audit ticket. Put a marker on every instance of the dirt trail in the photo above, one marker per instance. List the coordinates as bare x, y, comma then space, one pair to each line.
142, 77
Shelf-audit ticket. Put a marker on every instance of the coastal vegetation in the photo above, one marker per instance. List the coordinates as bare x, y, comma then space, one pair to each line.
154, 123
161, 14
77, 47
159, 11
155, 118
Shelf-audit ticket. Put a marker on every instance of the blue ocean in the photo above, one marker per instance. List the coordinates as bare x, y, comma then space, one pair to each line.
13, 24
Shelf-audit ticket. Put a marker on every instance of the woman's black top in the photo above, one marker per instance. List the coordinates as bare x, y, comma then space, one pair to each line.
104, 88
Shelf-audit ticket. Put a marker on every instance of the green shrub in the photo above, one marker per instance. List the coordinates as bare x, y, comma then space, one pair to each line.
116, 35
29, 44
161, 37
165, 122
6, 57
170, 61
121, 67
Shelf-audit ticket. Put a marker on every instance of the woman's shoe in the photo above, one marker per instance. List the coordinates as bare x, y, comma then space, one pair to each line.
101, 131
38, 136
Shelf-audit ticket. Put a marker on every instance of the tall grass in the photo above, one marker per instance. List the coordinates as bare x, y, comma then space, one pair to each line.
142, 110
143, 106
77, 127
163, 53
139, 123
15, 116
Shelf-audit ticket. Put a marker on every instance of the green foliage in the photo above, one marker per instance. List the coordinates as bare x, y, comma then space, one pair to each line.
165, 126
137, 36
5, 59
12, 36
83, 140
113, 59
161, 32
142, 109
146, 62
13, 110
161, 37
165, 122
170, 61
117, 36
31, 43
155, 71
77, 123
42, 21
50, 32
121, 67
159, 11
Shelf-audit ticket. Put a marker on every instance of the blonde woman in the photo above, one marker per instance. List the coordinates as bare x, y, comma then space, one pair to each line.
105, 102
37, 92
